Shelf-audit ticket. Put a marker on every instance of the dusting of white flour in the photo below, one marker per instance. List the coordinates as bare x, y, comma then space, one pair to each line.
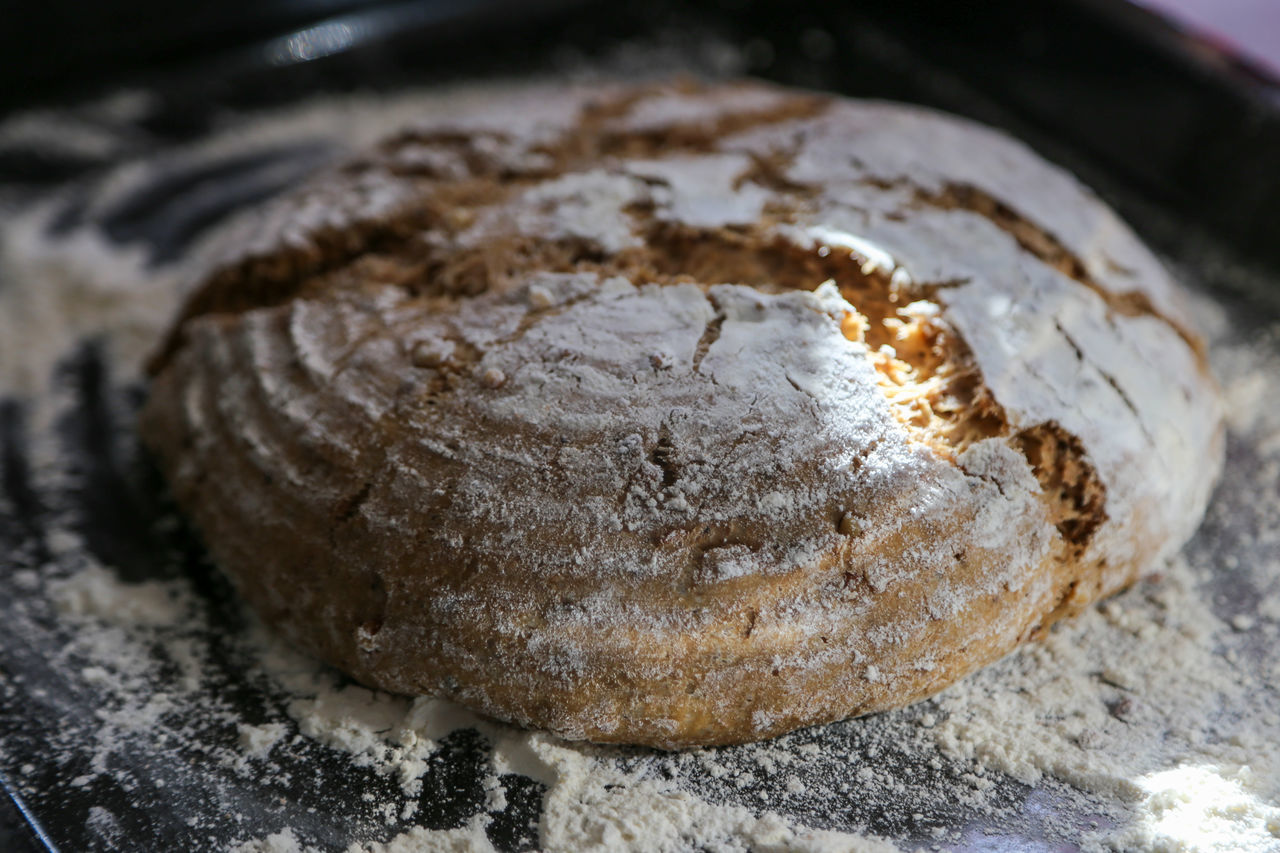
1157, 712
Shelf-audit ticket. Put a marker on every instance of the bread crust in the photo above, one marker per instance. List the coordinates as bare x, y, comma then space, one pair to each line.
683, 415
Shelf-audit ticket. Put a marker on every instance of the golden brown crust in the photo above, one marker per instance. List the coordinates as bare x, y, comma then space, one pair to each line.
622, 424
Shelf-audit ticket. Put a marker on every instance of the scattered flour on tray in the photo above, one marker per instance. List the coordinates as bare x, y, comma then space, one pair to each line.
1160, 708
593, 801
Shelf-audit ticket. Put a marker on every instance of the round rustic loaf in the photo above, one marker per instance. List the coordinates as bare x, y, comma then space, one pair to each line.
685, 414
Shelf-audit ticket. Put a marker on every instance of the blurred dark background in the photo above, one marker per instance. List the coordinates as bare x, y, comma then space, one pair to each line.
1175, 97
53, 47
59, 46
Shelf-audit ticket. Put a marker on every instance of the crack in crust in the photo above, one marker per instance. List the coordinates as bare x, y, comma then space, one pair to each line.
1047, 248
448, 202
1060, 465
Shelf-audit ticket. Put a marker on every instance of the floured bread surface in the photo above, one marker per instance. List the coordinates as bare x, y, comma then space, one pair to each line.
686, 414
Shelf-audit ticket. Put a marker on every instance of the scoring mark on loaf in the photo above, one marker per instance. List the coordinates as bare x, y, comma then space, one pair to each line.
1047, 248
709, 336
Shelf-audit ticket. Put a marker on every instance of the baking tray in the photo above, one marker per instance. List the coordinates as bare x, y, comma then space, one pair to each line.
1186, 150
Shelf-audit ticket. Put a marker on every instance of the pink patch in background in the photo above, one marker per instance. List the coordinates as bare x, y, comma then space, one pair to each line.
1247, 29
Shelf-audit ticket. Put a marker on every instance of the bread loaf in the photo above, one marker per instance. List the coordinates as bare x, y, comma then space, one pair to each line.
685, 414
